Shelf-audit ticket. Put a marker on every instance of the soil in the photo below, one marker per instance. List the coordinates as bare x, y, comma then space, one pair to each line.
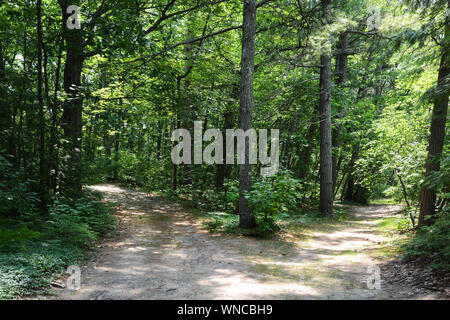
161, 252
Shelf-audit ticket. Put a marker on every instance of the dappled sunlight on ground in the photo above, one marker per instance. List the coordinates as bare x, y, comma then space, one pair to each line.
164, 254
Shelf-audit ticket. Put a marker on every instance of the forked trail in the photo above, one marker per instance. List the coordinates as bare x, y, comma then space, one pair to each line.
163, 254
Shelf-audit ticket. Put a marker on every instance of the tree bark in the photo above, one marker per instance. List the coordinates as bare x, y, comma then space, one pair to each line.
53, 157
341, 78
437, 130
349, 190
247, 220
72, 108
4, 107
42, 171
222, 168
326, 170
306, 152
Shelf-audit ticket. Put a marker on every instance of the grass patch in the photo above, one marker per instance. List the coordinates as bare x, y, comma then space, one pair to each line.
385, 201
297, 223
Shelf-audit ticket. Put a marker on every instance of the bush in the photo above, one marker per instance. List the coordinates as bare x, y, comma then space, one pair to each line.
432, 243
16, 197
272, 196
9, 239
81, 221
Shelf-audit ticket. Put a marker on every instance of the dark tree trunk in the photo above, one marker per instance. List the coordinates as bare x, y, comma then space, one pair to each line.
222, 168
361, 194
160, 136
175, 171
342, 59
116, 156
4, 107
7, 116
53, 157
349, 190
247, 220
287, 149
437, 130
107, 147
42, 171
72, 109
306, 152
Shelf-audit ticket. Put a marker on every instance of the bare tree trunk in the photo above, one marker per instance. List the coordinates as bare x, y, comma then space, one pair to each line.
326, 170
116, 155
349, 190
437, 130
4, 107
53, 157
160, 136
7, 116
306, 152
42, 171
405, 193
247, 220
186, 113
222, 168
72, 108
341, 77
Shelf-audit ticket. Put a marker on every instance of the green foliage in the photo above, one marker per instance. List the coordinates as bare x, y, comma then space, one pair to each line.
30, 270
221, 222
81, 221
33, 251
11, 238
16, 195
272, 196
432, 243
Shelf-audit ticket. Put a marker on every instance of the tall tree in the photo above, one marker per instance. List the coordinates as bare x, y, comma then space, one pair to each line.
42, 171
341, 77
247, 220
326, 168
72, 108
437, 128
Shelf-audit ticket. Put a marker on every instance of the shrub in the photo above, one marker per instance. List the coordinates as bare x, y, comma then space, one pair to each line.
81, 221
433, 242
271, 196
16, 197
32, 252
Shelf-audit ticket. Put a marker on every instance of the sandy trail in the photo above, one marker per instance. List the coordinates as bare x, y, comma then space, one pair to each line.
164, 254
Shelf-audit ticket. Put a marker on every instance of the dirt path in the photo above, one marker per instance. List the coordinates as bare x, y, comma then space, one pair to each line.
163, 254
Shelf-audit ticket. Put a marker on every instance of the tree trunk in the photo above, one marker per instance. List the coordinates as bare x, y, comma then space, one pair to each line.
306, 152
326, 170
341, 77
7, 116
342, 59
437, 130
53, 157
247, 220
349, 190
116, 156
222, 168
4, 107
72, 109
42, 171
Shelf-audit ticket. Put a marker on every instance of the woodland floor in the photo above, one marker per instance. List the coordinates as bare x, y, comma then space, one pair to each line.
161, 252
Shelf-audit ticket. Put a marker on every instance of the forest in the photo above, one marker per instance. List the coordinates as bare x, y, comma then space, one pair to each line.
97, 98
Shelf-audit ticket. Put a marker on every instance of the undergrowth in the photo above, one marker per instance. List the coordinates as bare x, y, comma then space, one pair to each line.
36, 245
